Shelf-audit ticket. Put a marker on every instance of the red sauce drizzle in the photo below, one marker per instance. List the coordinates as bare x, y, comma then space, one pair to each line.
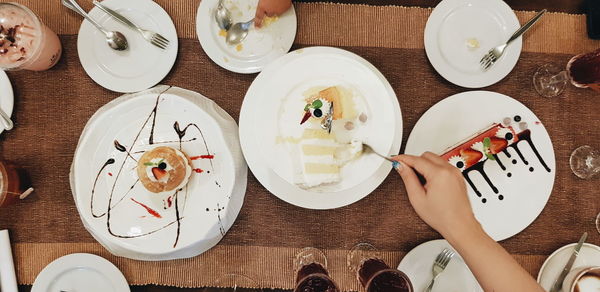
202, 157
150, 210
537, 123
169, 202
110, 173
198, 170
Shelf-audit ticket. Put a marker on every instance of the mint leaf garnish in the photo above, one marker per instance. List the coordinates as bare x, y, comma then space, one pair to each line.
148, 164
487, 142
490, 156
317, 103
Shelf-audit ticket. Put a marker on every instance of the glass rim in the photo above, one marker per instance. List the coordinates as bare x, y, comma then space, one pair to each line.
3, 185
38, 26
402, 274
312, 275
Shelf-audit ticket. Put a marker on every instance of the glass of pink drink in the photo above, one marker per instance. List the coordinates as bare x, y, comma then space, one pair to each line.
25, 42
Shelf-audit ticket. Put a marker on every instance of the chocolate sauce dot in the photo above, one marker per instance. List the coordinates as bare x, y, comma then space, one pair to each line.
509, 174
484, 200
207, 209
508, 136
208, 171
460, 164
514, 161
162, 165
531, 169
500, 197
517, 118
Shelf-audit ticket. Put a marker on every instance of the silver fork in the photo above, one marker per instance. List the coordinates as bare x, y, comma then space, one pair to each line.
440, 263
154, 38
495, 53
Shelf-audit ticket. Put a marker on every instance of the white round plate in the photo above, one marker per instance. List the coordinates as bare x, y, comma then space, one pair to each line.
456, 277
80, 272
454, 22
6, 95
149, 226
142, 65
589, 255
518, 201
260, 47
283, 83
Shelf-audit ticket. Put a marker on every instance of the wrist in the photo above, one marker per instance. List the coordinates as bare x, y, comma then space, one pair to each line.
465, 231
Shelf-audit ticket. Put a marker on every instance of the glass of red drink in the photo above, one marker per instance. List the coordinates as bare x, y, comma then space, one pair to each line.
311, 272
373, 273
14, 183
582, 71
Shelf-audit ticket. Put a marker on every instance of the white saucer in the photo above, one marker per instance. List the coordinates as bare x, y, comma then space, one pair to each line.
589, 255
142, 65
6, 95
453, 22
80, 272
456, 277
260, 47
517, 202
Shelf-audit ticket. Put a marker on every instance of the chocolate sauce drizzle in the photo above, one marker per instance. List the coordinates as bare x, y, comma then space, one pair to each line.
121, 148
479, 167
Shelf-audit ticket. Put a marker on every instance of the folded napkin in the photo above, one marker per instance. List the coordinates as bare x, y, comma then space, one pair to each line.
8, 279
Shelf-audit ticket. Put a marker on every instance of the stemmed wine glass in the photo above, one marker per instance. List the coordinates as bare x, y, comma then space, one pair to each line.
373, 273
585, 162
582, 71
310, 266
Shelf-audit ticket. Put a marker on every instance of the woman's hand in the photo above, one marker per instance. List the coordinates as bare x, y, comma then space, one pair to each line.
270, 8
442, 202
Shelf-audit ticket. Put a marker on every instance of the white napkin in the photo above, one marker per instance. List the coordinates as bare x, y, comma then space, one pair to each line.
8, 279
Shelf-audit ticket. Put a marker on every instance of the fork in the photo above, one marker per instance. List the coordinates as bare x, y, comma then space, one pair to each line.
495, 53
154, 38
440, 263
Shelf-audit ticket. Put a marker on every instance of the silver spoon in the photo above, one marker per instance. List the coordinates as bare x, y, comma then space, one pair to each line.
238, 32
114, 39
5, 119
223, 16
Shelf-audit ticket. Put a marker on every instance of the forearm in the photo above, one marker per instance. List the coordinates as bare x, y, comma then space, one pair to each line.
495, 269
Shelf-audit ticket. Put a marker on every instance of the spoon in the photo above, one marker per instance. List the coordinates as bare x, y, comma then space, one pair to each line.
238, 32
114, 39
5, 119
223, 16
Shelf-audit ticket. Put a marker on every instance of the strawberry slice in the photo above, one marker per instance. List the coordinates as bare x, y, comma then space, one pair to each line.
470, 156
497, 145
305, 117
158, 173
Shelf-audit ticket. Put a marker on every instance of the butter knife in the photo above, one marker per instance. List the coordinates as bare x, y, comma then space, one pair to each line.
559, 281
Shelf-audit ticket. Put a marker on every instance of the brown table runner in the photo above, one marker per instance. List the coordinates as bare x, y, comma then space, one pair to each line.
52, 107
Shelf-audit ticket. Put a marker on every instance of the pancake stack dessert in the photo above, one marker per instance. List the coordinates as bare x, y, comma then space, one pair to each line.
164, 169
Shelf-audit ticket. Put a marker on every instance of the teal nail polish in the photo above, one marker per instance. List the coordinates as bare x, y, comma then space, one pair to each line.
396, 165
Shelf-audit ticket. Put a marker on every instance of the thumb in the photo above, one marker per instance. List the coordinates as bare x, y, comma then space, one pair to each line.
414, 188
258, 17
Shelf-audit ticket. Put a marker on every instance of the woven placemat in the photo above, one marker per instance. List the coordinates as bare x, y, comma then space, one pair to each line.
52, 107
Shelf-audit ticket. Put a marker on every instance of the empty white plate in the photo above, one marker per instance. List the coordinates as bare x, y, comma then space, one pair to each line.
80, 272
6, 96
142, 65
260, 47
460, 32
456, 277
589, 255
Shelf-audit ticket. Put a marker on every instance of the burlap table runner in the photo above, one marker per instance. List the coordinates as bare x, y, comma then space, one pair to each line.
52, 107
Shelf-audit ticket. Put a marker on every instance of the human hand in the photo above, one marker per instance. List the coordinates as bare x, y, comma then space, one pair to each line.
270, 8
442, 202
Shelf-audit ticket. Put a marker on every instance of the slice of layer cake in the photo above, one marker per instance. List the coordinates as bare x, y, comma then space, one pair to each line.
317, 152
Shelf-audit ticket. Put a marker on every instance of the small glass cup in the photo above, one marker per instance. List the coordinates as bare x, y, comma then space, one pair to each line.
310, 266
235, 283
585, 162
582, 71
25, 42
598, 223
373, 273
14, 183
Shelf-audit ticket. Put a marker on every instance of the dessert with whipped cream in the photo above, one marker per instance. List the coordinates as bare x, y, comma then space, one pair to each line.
324, 139
164, 169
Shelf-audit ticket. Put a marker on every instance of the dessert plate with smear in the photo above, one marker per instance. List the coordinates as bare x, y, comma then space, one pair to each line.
286, 145
159, 174
459, 33
6, 96
273, 40
500, 146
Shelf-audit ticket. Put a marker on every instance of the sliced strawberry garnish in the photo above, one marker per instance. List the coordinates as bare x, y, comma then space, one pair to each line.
158, 173
497, 145
470, 156
305, 117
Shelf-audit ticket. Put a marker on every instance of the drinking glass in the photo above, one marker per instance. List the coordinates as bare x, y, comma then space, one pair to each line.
585, 162
582, 71
233, 282
373, 273
310, 266
598, 222
14, 183
25, 42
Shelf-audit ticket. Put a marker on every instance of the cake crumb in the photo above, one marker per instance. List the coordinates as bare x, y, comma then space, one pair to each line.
472, 44
239, 47
223, 33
